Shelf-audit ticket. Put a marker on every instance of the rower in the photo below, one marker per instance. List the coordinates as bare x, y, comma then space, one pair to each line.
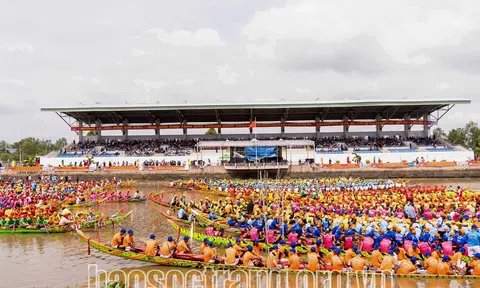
406, 266
64, 221
152, 246
272, 259
249, 259
231, 255
117, 241
257, 247
136, 195
183, 246
182, 214
91, 217
128, 242
313, 259
337, 264
204, 244
293, 260
431, 264
240, 250
358, 263
388, 263
167, 248
209, 254
444, 266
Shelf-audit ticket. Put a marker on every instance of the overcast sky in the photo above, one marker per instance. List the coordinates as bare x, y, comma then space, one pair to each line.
57, 53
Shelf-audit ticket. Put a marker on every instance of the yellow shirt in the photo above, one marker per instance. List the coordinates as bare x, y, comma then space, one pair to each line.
167, 247
182, 246
127, 240
150, 248
117, 239
357, 263
476, 267
312, 261
337, 264
294, 262
387, 264
406, 267
431, 265
247, 258
202, 248
443, 268
230, 255
272, 260
376, 258
208, 254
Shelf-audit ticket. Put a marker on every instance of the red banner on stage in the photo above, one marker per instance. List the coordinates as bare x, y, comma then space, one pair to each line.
473, 163
437, 164
247, 125
25, 169
69, 169
340, 166
390, 165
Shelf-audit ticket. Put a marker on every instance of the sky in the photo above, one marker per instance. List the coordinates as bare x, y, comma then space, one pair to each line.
74, 53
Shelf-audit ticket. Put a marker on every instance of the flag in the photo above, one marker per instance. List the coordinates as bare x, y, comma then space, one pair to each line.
253, 124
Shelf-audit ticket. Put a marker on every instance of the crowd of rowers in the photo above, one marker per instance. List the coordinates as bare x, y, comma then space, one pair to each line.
283, 255
44, 202
416, 221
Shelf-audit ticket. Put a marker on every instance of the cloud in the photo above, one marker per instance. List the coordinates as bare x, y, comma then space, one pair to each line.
12, 81
204, 37
18, 48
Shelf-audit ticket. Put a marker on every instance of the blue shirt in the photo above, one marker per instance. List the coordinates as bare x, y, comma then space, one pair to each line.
181, 214
473, 238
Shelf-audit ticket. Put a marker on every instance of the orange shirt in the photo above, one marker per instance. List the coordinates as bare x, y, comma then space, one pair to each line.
431, 265
406, 267
167, 247
293, 262
208, 254
436, 255
202, 248
127, 240
328, 257
150, 248
230, 255
312, 261
182, 246
456, 257
401, 254
349, 254
412, 251
117, 239
247, 258
358, 263
476, 267
387, 264
257, 250
272, 259
376, 258
443, 268
337, 264
238, 248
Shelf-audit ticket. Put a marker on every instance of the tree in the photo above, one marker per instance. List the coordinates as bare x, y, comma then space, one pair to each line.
211, 131
439, 133
90, 134
457, 137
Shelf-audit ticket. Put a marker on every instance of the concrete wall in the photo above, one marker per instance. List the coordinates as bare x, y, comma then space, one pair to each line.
458, 156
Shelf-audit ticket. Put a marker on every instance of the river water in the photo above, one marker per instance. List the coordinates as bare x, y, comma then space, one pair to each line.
61, 260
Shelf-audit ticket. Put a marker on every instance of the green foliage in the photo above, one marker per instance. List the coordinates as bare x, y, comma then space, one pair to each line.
211, 131
29, 148
90, 133
438, 132
468, 136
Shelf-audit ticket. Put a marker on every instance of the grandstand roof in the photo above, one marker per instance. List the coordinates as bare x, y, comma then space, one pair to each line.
254, 142
262, 111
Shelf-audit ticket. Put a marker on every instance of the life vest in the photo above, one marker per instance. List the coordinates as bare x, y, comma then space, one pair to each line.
447, 248
328, 241
271, 236
407, 244
209, 231
385, 245
424, 247
292, 237
253, 234
348, 243
367, 244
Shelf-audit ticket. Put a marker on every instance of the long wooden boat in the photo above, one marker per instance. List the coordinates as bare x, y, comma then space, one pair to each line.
132, 200
89, 204
182, 221
57, 229
222, 241
194, 261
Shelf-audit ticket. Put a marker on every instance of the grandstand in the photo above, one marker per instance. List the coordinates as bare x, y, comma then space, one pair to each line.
274, 121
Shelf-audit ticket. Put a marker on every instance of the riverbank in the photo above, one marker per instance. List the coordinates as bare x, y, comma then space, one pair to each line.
294, 171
